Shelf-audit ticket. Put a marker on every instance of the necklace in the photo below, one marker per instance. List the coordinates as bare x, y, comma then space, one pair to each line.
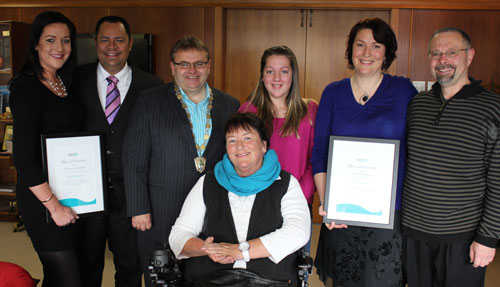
58, 86
365, 96
200, 162
279, 113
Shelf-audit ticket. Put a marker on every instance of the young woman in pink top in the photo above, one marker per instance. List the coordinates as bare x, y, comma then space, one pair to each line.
289, 118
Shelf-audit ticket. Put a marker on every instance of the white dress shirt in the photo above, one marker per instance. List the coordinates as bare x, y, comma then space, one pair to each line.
293, 234
124, 79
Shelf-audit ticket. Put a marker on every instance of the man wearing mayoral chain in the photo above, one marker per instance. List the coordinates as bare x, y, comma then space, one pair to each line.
174, 137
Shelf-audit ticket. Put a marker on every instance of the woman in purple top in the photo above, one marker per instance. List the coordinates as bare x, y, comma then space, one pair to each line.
289, 118
370, 104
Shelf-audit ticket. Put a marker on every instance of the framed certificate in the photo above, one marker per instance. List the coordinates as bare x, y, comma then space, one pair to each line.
74, 167
361, 181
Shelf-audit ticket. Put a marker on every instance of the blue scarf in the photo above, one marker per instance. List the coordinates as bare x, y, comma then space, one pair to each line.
226, 175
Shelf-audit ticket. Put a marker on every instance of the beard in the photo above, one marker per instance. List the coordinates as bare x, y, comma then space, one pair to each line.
445, 79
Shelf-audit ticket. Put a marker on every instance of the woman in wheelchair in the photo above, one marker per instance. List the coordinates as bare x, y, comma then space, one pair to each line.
244, 222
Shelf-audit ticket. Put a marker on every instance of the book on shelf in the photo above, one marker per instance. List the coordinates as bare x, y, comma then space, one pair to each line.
5, 51
7, 188
4, 97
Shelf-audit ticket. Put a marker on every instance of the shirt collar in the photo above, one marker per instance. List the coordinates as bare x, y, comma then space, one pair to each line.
120, 75
466, 91
187, 100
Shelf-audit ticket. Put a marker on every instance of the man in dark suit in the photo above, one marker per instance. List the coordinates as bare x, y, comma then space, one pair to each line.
108, 91
175, 135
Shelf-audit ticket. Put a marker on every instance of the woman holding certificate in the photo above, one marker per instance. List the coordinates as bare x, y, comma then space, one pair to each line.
41, 104
370, 104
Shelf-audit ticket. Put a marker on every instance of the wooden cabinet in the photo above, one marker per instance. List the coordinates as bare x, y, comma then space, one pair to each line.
317, 37
327, 33
13, 43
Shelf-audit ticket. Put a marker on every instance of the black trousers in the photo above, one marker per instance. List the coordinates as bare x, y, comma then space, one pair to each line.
91, 245
439, 263
122, 241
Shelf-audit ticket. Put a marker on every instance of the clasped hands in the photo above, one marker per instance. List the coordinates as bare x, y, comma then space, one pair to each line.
222, 252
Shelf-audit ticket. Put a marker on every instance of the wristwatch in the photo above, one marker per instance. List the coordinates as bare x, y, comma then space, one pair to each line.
243, 247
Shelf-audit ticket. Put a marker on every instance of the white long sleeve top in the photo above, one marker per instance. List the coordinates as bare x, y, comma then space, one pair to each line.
293, 234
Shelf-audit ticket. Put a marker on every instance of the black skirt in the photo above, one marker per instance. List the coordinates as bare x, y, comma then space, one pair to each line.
359, 256
43, 232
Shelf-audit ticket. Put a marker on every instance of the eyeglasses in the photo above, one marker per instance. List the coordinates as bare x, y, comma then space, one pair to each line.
452, 53
186, 65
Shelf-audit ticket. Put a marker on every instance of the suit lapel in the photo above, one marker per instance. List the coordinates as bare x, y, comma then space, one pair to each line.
185, 126
130, 97
95, 101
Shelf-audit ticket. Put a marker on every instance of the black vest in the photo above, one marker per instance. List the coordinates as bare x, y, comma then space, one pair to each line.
265, 218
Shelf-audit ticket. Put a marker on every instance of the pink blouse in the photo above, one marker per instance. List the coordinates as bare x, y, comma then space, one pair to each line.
294, 153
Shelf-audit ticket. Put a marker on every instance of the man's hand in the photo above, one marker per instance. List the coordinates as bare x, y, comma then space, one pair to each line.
480, 255
332, 224
142, 222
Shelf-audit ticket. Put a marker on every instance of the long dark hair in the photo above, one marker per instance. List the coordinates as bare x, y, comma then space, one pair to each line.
32, 65
297, 108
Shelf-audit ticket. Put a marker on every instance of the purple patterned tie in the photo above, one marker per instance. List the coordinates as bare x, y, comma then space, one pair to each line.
112, 99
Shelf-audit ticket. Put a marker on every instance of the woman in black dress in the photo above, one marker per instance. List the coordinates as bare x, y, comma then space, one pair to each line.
41, 105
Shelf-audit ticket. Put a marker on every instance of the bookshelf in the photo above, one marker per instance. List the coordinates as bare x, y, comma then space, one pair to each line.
13, 44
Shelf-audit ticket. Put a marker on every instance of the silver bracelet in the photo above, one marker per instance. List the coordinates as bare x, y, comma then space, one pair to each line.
48, 199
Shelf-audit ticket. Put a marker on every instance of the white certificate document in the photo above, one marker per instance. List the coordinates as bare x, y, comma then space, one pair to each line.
75, 172
362, 181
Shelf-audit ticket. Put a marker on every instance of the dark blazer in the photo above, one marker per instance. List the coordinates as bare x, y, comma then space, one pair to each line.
95, 121
158, 157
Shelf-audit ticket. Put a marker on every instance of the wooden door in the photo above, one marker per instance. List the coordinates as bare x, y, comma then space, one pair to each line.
248, 33
327, 32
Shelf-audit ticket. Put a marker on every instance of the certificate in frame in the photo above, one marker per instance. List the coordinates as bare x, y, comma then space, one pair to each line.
361, 181
74, 167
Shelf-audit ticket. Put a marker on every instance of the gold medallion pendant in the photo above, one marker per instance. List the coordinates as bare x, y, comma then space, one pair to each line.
200, 163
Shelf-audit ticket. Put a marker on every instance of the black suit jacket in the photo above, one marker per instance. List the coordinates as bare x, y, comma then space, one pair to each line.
95, 121
158, 156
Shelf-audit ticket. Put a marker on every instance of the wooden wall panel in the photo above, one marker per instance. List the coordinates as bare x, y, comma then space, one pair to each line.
326, 46
83, 18
210, 40
248, 33
364, 4
167, 25
403, 35
482, 27
218, 62
10, 14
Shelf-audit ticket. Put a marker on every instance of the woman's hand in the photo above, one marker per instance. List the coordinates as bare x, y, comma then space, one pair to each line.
332, 224
218, 252
62, 215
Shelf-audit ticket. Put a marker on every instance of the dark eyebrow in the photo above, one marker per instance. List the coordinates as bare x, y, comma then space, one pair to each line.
110, 37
